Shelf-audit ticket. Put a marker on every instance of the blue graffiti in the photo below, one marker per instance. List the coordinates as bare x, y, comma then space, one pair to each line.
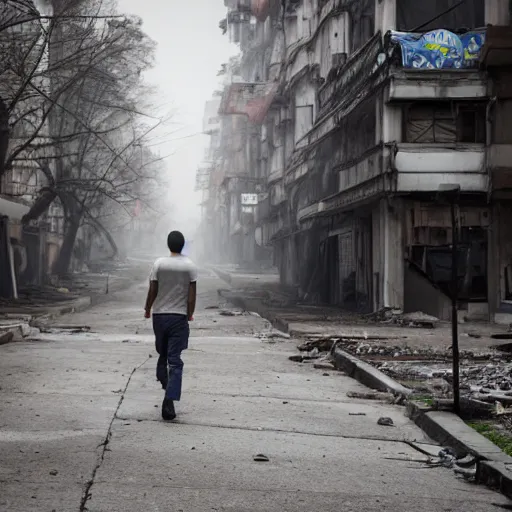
439, 49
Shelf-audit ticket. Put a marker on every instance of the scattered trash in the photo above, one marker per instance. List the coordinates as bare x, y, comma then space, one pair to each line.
385, 422
54, 472
261, 458
357, 414
227, 312
324, 366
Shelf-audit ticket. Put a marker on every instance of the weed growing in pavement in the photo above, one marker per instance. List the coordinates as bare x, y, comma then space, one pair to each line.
501, 439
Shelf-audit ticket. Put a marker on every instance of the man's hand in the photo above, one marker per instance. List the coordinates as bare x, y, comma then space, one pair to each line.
191, 318
147, 313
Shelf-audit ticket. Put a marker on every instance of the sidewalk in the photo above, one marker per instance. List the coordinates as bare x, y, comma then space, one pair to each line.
36, 305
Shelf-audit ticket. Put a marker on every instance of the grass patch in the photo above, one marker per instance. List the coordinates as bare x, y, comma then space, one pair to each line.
428, 400
500, 439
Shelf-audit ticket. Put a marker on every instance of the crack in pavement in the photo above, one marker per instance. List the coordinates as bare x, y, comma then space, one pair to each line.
268, 430
86, 496
292, 401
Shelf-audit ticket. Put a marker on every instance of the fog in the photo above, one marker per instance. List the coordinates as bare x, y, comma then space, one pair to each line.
191, 49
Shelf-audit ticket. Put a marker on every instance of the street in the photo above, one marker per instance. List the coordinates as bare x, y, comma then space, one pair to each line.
80, 425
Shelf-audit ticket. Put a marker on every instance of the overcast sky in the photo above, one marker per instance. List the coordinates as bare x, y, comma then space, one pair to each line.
191, 49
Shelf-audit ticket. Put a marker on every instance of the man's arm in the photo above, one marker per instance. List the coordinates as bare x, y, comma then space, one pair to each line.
150, 300
191, 302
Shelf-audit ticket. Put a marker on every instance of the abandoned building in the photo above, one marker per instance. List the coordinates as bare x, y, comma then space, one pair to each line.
341, 124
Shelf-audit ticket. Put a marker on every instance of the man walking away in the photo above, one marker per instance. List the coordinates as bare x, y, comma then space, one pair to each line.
172, 295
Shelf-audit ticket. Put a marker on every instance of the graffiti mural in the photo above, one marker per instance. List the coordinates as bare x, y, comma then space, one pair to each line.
439, 49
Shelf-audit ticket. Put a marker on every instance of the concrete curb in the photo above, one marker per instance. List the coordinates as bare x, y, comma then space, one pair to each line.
443, 427
494, 467
22, 323
367, 374
74, 306
496, 475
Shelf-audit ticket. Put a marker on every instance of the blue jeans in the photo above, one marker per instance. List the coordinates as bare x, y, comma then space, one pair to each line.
171, 337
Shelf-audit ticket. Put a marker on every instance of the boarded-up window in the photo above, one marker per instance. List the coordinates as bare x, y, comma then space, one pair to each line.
427, 123
430, 124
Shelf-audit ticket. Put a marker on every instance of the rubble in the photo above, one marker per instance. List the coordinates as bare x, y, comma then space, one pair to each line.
229, 312
385, 422
398, 317
322, 345
272, 335
327, 365
372, 395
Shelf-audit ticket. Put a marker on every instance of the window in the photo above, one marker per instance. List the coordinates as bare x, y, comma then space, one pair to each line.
471, 121
446, 122
411, 15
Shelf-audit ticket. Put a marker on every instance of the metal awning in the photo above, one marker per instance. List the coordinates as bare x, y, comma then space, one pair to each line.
13, 210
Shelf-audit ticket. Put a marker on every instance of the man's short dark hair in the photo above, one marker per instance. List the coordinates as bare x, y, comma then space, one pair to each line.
175, 242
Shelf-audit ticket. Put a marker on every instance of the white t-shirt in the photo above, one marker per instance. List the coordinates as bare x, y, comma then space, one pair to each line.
174, 275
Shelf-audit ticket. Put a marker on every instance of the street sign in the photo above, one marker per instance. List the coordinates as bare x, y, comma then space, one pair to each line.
249, 199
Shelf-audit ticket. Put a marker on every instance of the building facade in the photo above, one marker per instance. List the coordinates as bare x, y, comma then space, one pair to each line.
355, 117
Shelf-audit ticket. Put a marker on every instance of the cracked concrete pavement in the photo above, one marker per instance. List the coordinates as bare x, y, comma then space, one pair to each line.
80, 426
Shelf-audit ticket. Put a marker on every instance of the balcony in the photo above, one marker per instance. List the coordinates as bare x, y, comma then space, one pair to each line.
414, 85
424, 167
436, 65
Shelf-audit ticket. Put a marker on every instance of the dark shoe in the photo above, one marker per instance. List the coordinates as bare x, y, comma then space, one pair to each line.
168, 412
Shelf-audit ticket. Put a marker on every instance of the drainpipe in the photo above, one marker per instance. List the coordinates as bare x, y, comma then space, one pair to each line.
386, 256
388, 173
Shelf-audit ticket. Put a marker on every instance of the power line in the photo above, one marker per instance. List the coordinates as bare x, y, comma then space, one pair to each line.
447, 11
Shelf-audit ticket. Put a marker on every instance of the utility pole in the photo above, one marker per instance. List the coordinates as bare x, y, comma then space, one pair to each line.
451, 194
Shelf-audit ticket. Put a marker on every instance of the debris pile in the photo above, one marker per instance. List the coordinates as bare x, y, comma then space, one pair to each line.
394, 351
398, 317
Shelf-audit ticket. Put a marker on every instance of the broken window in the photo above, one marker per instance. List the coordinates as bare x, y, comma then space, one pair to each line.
430, 123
